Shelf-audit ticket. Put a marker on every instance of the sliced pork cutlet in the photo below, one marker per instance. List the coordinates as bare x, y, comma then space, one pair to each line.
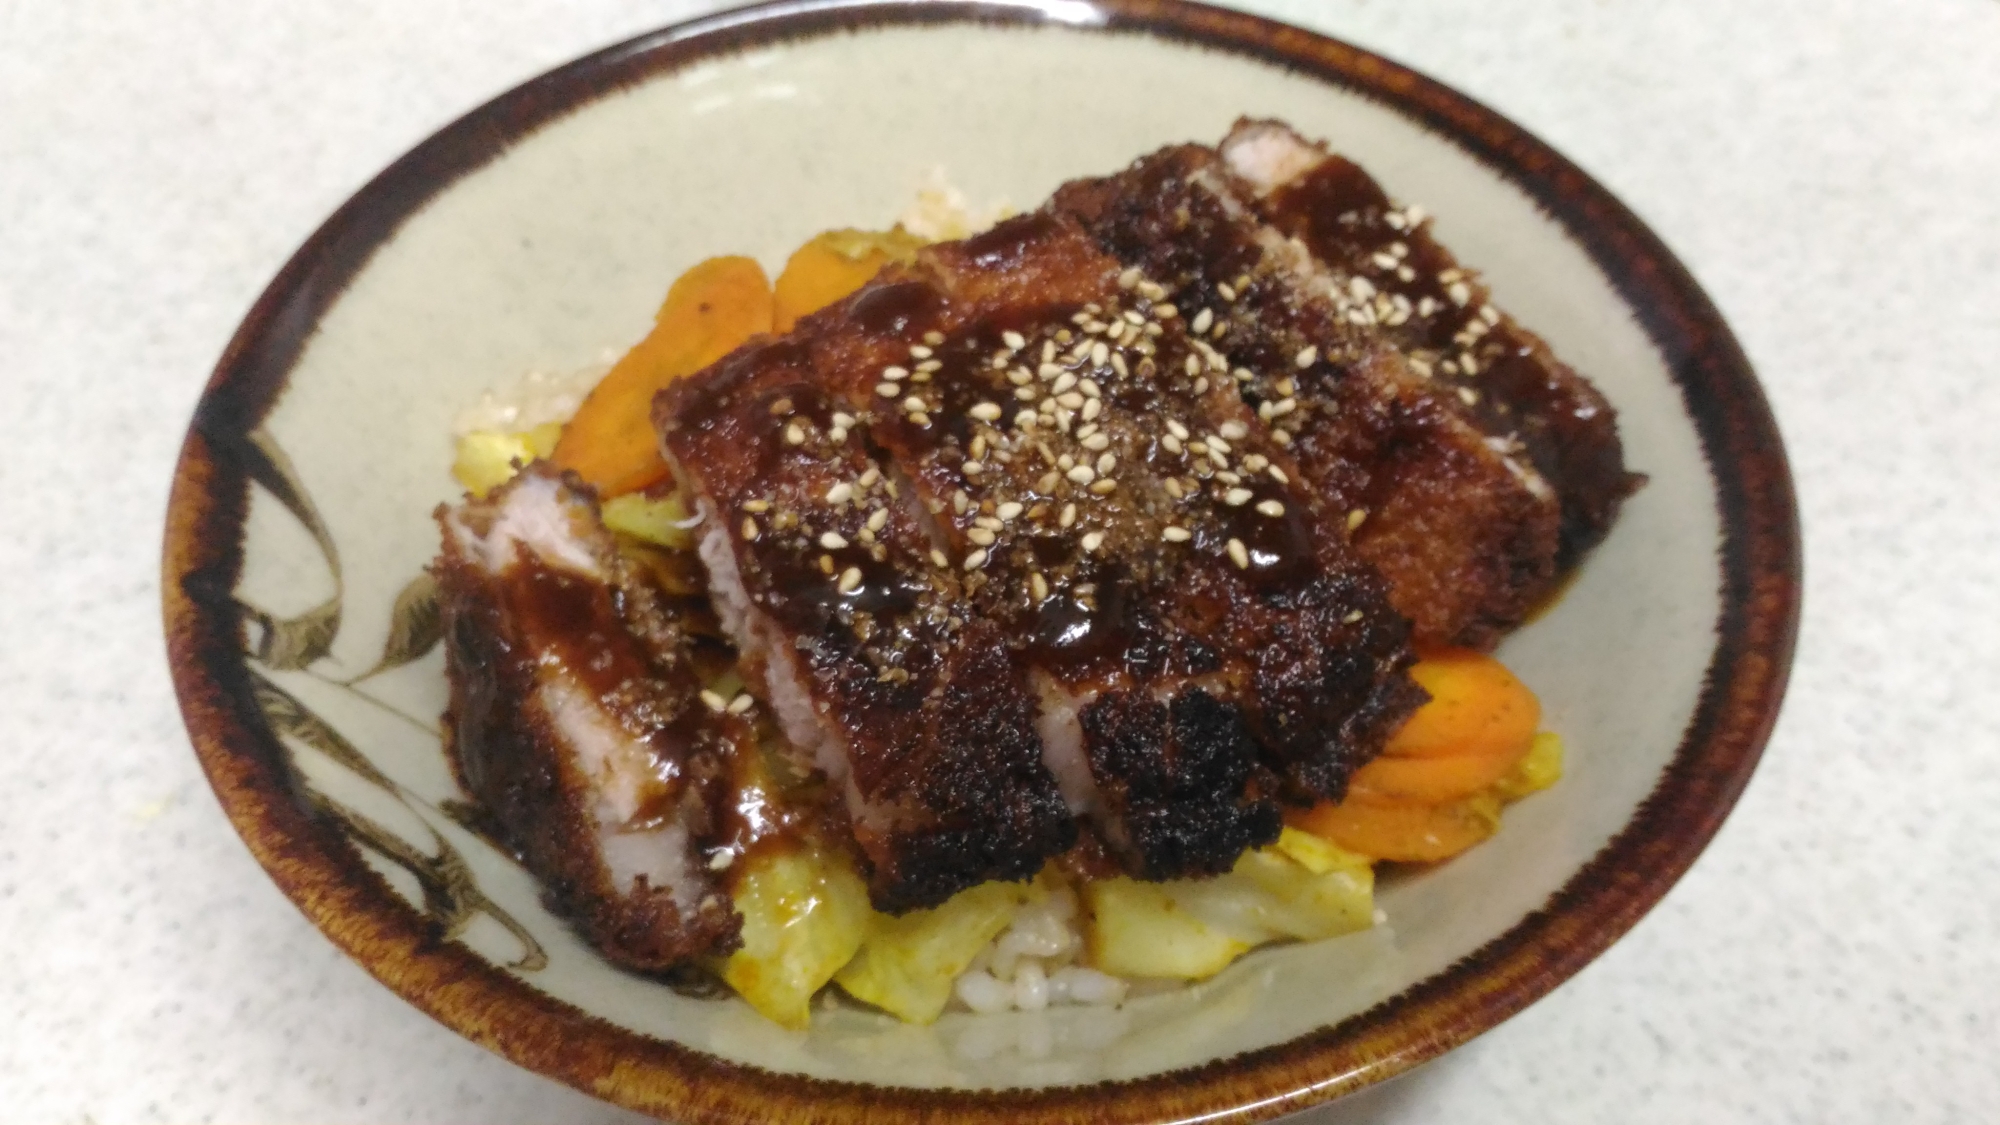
821, 570
1464, 534
1200, 637
576, 722
1438, 313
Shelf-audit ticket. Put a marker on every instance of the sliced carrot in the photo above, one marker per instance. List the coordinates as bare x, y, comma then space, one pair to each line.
1477, 709
1434, 781
709, 311
833, 264
1401, 830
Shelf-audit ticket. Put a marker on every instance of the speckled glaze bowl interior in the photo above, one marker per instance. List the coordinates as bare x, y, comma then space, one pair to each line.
541, 230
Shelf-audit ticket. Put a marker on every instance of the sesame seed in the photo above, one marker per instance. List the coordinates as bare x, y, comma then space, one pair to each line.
721, 860
1106, 462
1270, 507
758, 506
1093, 541
1361, 288
1283, 407
1202, 320
913, 404
1176, 429
1233, 430
1133, 316
980, 536
1384, 260
1239, 554
919, 351
1072, 400
925, 368
972, 468
1255, 462
1103, 486
938, 558
1468, 364
715, 702
1394, 219
1468, 396
1038, 586
1118, 364
1063, 382
975, 560
1415, 214
1025, 420
833, 541
1068, 516
1356, 517
934, 338
1171, 443
1165, 312
1152, 290
1097, 441
1306, 357
1013, 340
1099, 353
782, 406
1489, 314
1090, 388
1226, 291
1026, 394
877, 519
985, 412
1236, 497
1193, 365
1008, 510
840, 493
749, 528
1129, 278
895, 374
1285, 387
826, 564
960, 501
1460, 293
850, 580
1278, 474
1081, 474
886, 390
1048, 352
1217, 443
1092, 409
1048, 482
987, 522
1174, 534
1174, 488
794, 435
1051, 371
1282, 437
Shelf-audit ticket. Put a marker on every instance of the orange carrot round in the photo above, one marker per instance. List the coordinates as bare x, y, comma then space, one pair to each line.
1434, 781
1477, 709
833, 264
1403, 831
710, 310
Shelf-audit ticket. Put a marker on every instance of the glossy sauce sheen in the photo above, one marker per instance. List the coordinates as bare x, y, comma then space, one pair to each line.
1462, 539
1131, 569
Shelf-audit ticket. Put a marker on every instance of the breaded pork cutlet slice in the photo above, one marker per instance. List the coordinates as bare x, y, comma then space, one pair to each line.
821, 571
1464, 534
1436, 312
1199, 637
576, 721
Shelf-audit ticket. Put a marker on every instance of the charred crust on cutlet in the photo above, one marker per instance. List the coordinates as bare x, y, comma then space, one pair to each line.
1179, 772
506, 751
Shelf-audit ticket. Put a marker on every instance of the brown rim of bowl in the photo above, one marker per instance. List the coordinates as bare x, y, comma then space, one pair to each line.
327, 879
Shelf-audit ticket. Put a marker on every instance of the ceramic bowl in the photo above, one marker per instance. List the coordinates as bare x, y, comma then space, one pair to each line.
542, 228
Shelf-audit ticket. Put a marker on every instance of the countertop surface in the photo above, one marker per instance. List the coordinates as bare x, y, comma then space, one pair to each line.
1829, 169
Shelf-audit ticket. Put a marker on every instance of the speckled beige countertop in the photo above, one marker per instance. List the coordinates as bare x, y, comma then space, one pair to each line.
1830, 169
